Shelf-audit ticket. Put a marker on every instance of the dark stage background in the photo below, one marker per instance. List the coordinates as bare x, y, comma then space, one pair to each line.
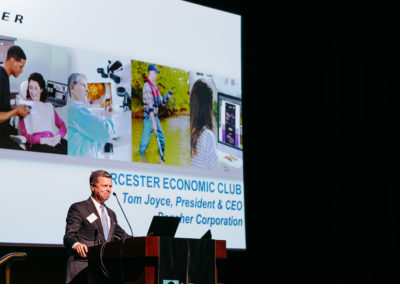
334, 118
321, 190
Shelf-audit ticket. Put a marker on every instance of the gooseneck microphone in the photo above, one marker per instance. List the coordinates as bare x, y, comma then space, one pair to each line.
115, 194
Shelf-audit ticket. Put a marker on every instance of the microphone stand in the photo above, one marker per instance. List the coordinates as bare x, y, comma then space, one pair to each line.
123, 213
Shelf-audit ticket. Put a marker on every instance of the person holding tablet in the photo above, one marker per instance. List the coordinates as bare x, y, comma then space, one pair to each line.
87, 132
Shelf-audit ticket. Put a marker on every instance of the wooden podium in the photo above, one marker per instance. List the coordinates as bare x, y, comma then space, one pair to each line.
132, 261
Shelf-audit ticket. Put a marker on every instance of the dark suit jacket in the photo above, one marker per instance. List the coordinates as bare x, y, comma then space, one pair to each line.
80, 229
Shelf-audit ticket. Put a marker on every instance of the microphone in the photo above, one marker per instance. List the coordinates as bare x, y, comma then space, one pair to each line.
116, 197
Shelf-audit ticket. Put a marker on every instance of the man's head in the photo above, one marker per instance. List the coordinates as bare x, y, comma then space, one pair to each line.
153, 72
77, 87
100, 185
15, 61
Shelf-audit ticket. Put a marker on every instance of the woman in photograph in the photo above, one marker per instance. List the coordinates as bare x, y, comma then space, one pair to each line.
43, 128
202, 140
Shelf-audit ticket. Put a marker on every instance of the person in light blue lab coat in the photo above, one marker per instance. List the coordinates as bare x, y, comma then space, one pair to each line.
87, 132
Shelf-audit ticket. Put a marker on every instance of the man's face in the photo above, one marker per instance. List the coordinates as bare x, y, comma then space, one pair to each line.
80, 90
17, 67
153, 75
101, 191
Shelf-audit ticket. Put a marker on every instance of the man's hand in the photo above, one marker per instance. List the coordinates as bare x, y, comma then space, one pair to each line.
22, 110
155, 126
81, 249
108, 111
153, 120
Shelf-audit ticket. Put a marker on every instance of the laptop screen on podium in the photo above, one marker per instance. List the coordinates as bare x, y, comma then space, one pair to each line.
163, 226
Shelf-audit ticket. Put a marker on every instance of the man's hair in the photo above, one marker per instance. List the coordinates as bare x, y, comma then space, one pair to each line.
94, 177
73, 79
16, 52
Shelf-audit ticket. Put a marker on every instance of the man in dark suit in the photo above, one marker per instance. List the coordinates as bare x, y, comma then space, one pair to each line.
90, 223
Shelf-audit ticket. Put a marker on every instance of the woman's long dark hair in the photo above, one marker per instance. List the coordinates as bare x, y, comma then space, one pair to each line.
201, 108
37, 77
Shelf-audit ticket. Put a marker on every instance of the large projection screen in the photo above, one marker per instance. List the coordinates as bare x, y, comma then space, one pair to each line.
113, 43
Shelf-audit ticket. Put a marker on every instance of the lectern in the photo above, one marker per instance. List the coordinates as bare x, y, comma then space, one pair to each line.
142, 260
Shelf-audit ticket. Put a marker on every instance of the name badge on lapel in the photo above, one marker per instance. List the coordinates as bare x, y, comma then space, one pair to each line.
91, 218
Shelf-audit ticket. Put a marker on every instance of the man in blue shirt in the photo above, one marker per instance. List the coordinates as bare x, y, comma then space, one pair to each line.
87, 133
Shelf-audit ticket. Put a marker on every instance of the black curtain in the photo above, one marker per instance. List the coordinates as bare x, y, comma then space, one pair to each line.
335, 115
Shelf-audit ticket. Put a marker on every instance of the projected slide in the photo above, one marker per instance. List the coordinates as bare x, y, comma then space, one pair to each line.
169, 133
